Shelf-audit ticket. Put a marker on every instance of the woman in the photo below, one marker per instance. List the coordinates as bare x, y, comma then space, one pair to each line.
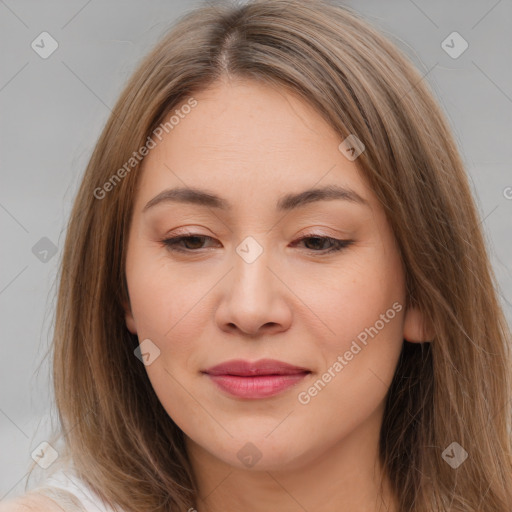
275, 292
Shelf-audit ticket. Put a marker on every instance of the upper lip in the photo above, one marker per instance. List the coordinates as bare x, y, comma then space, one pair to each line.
241, 368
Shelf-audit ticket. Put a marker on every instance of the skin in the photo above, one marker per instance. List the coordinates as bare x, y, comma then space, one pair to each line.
250, 144
30, 502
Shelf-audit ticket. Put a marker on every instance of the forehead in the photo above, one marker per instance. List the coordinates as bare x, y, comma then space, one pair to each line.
248, 138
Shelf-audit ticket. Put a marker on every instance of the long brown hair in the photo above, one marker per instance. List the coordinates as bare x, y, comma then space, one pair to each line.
455, 388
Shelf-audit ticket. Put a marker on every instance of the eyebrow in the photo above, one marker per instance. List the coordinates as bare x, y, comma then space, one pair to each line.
287, 202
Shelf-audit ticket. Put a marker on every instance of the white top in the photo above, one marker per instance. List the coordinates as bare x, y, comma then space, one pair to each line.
68, 480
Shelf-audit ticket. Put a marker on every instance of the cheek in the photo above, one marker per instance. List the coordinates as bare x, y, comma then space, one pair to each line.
152, 303
164, 312
366, 314
159, 295
168, 306
362, 294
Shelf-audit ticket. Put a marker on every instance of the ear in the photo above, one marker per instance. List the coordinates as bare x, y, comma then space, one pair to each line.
416, 329
128, 315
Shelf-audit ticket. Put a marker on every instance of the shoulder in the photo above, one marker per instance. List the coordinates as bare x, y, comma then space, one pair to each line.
31, 501
63, 491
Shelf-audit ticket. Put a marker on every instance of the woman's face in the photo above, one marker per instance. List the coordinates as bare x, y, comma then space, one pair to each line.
245, 287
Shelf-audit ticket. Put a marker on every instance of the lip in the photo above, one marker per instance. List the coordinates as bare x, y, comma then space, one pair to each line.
259, 379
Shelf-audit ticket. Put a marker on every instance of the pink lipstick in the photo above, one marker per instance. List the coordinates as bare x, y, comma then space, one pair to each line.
259, 379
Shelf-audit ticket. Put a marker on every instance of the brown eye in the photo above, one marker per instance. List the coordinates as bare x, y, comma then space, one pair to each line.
191, 243
319, 243
194, 243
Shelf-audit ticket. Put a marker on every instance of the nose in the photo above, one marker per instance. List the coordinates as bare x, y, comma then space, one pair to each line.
255, 299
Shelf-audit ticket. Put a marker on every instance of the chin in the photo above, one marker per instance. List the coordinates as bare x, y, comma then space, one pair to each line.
257, 453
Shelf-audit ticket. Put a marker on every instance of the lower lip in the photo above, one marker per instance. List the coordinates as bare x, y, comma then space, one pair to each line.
261, 386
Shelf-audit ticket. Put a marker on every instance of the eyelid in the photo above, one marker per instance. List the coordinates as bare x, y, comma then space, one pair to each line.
185, 232
338, 245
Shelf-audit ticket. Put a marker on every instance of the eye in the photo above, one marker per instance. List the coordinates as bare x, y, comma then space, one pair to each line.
193, 243
336, 244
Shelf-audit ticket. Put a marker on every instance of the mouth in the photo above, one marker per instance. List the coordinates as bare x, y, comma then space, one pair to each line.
261, 379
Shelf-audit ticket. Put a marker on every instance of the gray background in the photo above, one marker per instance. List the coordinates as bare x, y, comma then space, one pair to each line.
52, 111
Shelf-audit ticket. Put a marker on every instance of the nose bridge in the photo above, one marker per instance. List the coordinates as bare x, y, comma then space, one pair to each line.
250, 300
251, 272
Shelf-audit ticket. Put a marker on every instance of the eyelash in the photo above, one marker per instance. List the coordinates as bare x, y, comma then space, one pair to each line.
172, 243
